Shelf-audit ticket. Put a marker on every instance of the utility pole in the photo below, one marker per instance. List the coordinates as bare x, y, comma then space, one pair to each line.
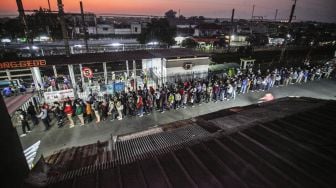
252, 12
289, 25
292, 12
22, 17
49, 6
63, 27
23, 20
252, 20
276, 15
231, 32
84, 27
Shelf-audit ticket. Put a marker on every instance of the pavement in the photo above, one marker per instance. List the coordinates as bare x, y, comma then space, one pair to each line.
59, 138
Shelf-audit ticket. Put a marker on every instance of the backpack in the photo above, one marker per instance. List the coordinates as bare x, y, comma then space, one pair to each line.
79, 110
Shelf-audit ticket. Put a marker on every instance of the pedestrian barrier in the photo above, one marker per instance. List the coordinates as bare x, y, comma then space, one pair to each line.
30, 153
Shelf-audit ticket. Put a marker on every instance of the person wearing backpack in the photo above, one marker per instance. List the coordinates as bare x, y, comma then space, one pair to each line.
79, 113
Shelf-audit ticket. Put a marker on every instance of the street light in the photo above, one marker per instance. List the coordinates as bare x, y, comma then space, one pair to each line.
153, 43
117, 44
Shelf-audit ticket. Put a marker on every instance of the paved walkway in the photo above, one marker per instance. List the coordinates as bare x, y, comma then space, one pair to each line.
58, 138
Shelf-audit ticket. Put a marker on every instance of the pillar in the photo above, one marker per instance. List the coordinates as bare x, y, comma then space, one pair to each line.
135, 76
37, 76
14, 167
55, 71
8, 74
105, 72
72, 76
127, 69
81, 72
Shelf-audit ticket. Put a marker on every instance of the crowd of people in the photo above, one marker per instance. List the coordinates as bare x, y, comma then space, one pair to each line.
173, 96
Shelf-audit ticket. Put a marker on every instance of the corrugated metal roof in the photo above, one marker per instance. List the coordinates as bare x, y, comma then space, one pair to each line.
296, 150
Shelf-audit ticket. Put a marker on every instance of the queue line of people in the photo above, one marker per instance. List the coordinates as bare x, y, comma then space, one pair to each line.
173, 96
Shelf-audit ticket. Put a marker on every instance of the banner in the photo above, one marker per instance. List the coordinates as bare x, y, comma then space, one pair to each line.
119, 87
110, 89
59, 96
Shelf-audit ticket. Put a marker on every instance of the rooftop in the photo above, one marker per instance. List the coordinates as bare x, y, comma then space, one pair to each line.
116, 56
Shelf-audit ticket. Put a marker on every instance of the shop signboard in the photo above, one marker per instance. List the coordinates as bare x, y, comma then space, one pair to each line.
23, 64
59, 96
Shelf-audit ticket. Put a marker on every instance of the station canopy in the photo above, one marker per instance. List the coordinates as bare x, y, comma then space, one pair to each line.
110, 57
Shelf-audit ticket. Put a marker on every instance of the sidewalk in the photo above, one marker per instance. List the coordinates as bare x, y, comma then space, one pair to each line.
58, 138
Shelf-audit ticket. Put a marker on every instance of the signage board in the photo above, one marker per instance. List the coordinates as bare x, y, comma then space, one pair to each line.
87, 72
119, 87
59, 96
23, 64
109, 89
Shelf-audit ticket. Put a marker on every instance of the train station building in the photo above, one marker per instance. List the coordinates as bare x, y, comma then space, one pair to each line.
153, 67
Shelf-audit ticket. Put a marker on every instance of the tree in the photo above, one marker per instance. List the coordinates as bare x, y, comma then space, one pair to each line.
181, 17
158, 30
170, 14
189, 43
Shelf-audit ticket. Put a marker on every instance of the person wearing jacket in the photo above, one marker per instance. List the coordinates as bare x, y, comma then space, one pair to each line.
88, 111
32, 112
44, 117
68, 112
139, 105
119, 107
24, 122
111, 110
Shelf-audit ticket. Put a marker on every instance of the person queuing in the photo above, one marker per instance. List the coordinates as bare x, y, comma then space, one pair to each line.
44, 117
144, 100
22, 115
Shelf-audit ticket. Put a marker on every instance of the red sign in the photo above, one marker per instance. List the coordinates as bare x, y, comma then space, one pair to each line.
87, 72
23, 64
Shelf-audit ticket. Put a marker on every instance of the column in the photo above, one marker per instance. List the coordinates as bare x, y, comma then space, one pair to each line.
135, 76
161, 72
37, 76
55, 71
8, 74
127, 69
81, 72
105, 72
72, 76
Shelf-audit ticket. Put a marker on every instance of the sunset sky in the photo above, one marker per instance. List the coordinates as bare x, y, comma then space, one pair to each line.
319, 10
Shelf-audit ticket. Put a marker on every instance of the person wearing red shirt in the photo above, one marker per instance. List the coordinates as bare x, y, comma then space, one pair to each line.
68, 111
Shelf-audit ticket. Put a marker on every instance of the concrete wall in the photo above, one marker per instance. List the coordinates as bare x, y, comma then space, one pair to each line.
122, 31
195, 61
180, 70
